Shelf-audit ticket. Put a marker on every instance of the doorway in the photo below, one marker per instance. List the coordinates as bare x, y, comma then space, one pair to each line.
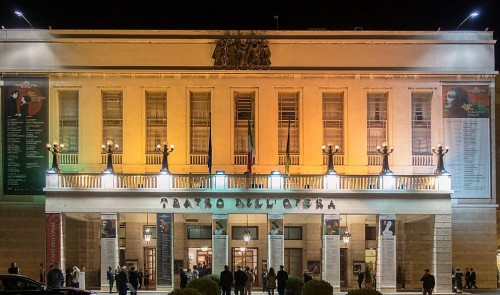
244, 257
150, 265
293, 261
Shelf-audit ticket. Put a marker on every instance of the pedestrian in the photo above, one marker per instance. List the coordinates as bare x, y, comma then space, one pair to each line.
458, 280
282, 277
69, 277
240, 279
361, 277
264, 279
226, 281
184, 278
467, 278
271, 281
14, 269
121, 281
249, 281
141, 277
41, 270
473, 278
55, 277
146, 279
75, 275
428, 282
133, 278
110, 274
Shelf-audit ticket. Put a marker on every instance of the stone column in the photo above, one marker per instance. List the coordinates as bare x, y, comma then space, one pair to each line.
441, 253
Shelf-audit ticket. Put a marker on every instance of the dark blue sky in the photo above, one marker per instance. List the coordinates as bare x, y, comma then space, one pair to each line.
253, 15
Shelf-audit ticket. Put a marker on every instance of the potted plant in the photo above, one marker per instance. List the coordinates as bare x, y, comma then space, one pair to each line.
317, 287
400, 278
368, 277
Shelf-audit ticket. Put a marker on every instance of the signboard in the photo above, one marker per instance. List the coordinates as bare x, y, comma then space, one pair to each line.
164, 255
109, 244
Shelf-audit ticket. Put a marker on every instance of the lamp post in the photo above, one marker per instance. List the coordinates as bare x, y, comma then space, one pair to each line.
20, 14
473, 15
346, 236
247, 235
330, 152
440, 152
147, 230
109, 149
55, 150
164, 161
385, 151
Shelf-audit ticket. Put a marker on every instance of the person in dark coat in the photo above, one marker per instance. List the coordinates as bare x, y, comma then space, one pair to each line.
467, 278
11, 107
141, 277
428, 282
458, 280
281, 278
133, 278
69, 276
55, 277
110, 274
307, 277
361, 277
184, 278
226, 280
13, 269
240, 279
121, 281
472, 278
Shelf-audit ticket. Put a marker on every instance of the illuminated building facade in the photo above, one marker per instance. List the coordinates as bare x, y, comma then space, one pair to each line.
254, 109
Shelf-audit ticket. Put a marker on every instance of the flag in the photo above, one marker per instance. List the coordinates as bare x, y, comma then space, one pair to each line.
287, 156
250, 149
209, 162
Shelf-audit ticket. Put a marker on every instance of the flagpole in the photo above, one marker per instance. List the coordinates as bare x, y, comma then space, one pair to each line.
209, 162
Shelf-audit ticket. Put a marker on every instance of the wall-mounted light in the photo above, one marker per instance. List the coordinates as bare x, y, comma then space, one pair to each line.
147, 230
346, 236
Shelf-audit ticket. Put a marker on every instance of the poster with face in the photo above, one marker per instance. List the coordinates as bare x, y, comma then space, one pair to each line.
219, 227
466, 101
387, 227
275, 227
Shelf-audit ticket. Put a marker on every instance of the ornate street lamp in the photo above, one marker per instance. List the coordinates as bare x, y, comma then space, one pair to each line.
440, 152
385, 151
247, 235
147, 230
164, 162
346, 236
55, 150
109, 149
330, 152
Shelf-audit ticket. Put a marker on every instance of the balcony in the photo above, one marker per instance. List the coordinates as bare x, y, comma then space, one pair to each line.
255, 183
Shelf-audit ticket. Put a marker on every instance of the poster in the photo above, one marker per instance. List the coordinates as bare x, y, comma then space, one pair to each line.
276, 249
219, 243
109, 244
25, 134
331, 249
386, 262
53, 230
466, 113
164, 249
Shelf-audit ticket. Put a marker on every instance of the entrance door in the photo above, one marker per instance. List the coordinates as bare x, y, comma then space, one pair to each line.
150, 264
244, 257
293, 261
343, 269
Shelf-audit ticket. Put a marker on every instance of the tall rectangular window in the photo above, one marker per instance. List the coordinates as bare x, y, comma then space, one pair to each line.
288, 110
333, 119
156, 119
200, 126
421, 123
376, 121
68, 120
112, 117
244, 108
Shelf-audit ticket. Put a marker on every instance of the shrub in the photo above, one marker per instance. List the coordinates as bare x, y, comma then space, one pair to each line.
185, 291
368, 275
214, 277
364, 292
317, 287
205, 286
294, 285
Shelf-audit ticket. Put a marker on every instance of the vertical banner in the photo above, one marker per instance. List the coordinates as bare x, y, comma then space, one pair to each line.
467, 133
276, 249
109, 245
386, 262
164, 249
331, 250
25, 134
53, 244
219, 243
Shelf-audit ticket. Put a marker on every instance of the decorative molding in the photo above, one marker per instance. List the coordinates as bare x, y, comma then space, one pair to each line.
242, 54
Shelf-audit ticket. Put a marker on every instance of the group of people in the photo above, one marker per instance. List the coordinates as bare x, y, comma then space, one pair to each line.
122, 276
198, 271
244, 280
55, 276
456, 279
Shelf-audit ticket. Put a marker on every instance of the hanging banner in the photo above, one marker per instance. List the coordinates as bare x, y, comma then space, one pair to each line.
219, 243
109, 244
25, 134
164, 254
467, 133
276, 250
53, 245
386, 270
331, 249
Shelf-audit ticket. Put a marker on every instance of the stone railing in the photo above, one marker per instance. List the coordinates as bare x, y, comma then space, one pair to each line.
274, 181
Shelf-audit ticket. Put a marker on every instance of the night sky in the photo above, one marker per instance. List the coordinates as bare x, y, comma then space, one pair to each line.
425, 15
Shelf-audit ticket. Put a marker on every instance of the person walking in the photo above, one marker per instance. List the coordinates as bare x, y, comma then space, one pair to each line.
226, 281
110, 274
249, 281
458, 280
121, 281
55, 277
75, 277
13, 269
271, 281
467, 278
361, 277
472, 278
41, 270
133, 278
240, 278
146, 279
184, 278
428, 282
264, 279
141, 277
282, 277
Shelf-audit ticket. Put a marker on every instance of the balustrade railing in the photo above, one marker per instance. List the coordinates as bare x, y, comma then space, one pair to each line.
248, 182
